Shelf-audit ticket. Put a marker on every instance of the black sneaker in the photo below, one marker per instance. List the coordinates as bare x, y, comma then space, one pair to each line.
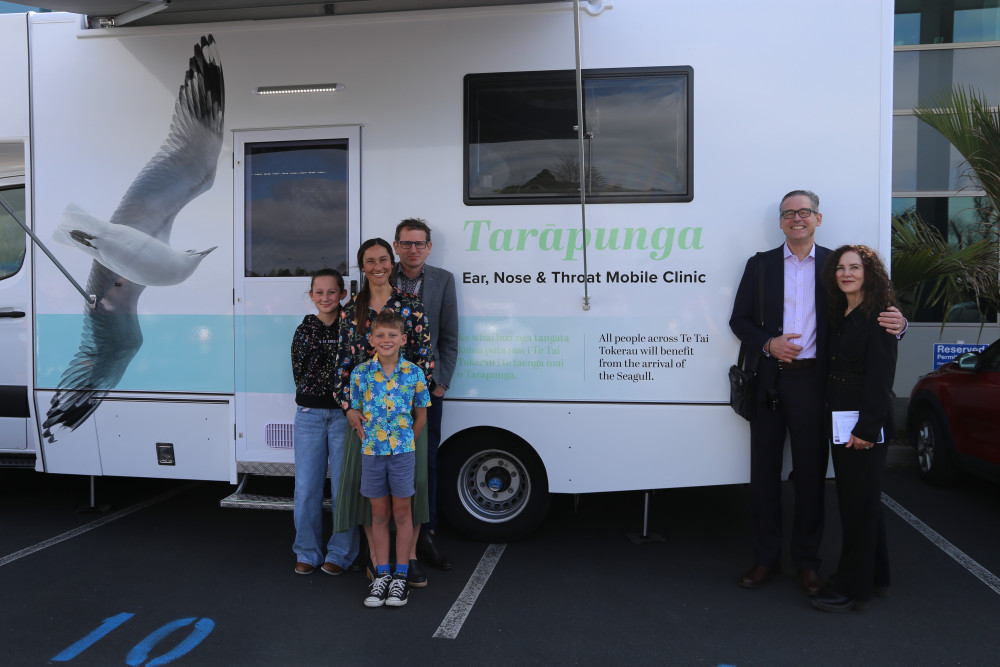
398, 592
378, 590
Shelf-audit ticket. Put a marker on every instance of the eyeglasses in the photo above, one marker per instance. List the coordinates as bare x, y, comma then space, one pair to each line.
406, 245
802, 213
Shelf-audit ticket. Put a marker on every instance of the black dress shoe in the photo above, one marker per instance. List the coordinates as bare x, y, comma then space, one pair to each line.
756, 577
370, 571
415, 576
809, 582
428, 552
877, 590
830, 600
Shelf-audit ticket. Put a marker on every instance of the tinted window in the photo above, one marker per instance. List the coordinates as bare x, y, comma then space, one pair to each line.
990, 358
521, 137
296, 207
12, 237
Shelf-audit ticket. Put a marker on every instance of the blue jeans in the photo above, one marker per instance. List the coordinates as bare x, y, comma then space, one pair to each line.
319, 446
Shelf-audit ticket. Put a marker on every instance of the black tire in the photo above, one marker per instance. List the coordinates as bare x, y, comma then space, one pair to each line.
932, 440
492, 486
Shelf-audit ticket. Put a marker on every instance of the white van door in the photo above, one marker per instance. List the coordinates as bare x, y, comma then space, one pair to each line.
297, 209
13, 320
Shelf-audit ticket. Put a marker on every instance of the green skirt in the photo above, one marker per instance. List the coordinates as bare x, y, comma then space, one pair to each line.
352, 508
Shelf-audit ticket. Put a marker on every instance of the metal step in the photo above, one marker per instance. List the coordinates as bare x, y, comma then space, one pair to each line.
255, 501
265, 486
266, 469
8, 460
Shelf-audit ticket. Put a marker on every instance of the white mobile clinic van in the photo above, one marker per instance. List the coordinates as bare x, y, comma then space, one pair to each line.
187, 177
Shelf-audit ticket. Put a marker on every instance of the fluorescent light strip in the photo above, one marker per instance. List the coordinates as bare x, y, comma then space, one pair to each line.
304, 88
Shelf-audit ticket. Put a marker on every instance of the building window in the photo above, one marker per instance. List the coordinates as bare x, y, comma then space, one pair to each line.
946, 21
958, 220
920, 74
521, 136
923, 160
12, 237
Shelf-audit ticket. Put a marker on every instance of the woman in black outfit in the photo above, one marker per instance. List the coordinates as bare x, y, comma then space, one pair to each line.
862, 368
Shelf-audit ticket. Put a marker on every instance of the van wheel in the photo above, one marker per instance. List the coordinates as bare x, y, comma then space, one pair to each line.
494, 488
932, 439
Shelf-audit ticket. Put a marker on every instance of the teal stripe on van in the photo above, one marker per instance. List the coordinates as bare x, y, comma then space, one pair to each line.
179, 353
184, 353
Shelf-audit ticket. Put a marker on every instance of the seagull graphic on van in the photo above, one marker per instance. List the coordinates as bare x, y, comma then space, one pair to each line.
132, 250
129, 252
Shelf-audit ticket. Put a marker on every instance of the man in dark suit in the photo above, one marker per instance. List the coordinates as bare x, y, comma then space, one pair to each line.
436, 288
791, 352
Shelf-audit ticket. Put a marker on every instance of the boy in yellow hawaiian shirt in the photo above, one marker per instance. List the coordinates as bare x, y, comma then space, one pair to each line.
392, 395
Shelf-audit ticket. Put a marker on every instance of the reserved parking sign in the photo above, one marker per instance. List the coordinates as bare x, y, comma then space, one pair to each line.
946, 352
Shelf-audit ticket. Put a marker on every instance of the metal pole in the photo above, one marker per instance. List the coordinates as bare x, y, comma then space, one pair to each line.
645, 515
90, 298
580, 152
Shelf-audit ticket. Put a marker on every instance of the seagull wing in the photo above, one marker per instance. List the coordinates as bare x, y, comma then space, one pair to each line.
109, 340
185, 165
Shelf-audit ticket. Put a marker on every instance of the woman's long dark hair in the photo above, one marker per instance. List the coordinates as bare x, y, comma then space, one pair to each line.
364, 296
877, 292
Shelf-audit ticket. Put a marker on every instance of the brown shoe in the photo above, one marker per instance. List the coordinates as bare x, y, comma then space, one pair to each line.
303, 568
756, 577
331, 568
809, 582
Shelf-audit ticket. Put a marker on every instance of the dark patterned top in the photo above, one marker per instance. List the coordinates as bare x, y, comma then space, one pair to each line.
314, 363
408, 285
355, 349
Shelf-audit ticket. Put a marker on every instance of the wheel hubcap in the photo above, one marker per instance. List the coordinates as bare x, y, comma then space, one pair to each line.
925, 446
494, 486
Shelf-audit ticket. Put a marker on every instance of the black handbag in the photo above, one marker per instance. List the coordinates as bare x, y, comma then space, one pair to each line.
742, 387
743, 374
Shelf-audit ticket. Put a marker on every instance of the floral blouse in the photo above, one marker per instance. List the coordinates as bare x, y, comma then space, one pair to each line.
355, 349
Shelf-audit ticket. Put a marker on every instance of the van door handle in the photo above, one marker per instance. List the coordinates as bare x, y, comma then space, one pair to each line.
11, 313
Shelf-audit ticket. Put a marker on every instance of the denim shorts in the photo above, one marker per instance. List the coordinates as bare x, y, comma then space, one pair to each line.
390, 474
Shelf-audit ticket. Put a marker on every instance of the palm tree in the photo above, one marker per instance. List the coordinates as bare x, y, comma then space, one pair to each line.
927, 271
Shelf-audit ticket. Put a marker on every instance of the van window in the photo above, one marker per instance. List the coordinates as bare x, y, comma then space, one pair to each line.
296, 207
12, 237
521, 138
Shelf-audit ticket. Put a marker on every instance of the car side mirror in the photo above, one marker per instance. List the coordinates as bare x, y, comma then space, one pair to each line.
967, 360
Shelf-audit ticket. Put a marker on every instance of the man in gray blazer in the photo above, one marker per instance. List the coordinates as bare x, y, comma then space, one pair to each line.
436, 288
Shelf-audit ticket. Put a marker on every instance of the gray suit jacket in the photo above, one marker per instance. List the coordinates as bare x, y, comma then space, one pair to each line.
442, 313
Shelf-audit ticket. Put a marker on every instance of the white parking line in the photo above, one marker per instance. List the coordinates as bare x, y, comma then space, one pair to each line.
97, 523
453, 620
944, 545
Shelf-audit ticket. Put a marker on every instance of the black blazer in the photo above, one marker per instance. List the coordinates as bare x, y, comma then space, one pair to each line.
862, 369
746, 326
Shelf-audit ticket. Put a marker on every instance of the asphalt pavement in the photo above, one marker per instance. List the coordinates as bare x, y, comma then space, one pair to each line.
165, 576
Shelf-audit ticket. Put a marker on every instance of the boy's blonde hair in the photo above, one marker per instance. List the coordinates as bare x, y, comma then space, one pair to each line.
390, 320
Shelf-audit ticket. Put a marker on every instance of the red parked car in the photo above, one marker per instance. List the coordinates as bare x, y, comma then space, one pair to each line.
954, 417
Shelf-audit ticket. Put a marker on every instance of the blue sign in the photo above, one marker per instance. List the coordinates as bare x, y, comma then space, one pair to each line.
946, 352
